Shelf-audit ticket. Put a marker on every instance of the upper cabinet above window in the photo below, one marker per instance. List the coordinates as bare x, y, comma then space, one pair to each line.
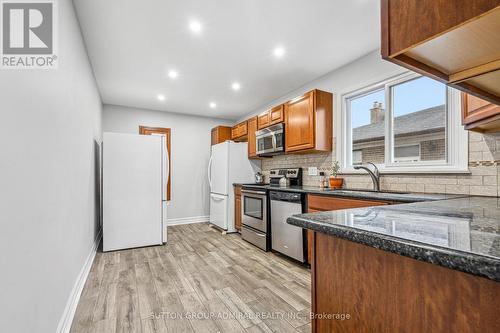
454, 41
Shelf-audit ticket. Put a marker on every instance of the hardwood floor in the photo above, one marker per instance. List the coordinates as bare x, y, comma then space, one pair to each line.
201, 281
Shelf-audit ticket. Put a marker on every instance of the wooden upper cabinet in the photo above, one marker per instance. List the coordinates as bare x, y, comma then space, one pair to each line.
220, 134
252, 145
271, 117
277, 115
480, 115
239, 131
454, 41
263, 120
308, 122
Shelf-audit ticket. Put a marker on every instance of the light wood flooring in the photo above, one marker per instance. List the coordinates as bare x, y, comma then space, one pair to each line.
201, 281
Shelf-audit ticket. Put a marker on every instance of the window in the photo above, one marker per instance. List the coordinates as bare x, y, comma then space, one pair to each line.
357, 157
409, 123
407, 154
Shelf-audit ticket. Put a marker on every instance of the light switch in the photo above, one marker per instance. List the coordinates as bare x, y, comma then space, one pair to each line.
312, 171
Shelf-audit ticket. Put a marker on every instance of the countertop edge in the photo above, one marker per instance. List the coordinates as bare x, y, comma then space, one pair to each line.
474, 264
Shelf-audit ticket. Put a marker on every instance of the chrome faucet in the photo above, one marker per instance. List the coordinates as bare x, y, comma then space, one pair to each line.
374, 174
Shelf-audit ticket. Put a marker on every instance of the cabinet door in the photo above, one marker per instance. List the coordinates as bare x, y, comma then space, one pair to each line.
237, 208
234, 132
214, 136
476, 109
243, 128
325, 203
252, 127
299, 120
263, 120
276, 115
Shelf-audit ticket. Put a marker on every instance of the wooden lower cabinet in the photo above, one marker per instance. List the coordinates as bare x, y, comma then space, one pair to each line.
237, 208
387, 292
319, 203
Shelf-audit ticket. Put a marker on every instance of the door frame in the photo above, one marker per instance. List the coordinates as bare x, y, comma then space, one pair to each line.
146, 130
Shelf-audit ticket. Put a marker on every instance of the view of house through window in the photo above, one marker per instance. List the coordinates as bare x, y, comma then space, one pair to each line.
417, 118
368, 128
419, 109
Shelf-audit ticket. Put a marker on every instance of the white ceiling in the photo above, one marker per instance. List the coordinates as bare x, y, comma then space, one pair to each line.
132, 44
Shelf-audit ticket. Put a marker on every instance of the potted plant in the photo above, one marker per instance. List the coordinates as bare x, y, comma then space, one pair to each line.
335, 182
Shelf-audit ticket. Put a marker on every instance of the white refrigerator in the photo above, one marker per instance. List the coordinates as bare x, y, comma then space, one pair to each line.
135, 177
228, 164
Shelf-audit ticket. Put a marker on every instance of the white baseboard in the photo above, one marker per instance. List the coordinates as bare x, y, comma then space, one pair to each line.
188, 220
70, 309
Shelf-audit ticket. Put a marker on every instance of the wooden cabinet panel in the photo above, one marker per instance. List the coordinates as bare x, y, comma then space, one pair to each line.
300, 123
220, 134
309, 122
237, 208
252, 145
319, 203
387, 292
239, 131
421, 34
277, 115
327, 203
480, 115
263, 120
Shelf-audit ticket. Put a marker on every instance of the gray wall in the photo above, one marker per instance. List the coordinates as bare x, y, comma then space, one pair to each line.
49, 120
190, 153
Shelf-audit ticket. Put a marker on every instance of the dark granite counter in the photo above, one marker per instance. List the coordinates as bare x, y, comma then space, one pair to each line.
460, 233
358, 194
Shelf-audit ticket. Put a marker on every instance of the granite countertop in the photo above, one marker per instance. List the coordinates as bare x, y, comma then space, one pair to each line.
461, 233
357, 194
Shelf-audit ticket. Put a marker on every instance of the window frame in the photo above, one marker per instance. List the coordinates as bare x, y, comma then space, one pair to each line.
457, 153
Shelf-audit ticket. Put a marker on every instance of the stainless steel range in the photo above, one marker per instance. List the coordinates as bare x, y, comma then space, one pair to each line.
254, 209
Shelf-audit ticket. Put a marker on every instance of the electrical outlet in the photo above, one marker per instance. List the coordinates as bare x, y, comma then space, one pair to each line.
312, 171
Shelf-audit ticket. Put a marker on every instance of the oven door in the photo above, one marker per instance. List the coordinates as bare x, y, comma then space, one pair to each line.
254, 209
265, 143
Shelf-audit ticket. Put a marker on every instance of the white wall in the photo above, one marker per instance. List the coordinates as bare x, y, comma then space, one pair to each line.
190, 152
49, 120
363, 71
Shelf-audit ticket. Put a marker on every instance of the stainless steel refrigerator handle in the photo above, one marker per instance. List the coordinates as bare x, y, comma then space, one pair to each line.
209, 172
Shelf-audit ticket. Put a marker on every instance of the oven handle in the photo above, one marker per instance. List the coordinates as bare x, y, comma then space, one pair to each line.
253, 192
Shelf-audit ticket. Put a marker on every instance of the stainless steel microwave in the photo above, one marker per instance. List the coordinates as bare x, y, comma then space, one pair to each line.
270, 140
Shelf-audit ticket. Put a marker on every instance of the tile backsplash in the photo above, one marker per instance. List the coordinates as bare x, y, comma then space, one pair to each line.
484, 165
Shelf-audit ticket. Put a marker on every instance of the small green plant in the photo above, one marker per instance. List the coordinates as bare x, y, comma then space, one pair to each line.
335, 168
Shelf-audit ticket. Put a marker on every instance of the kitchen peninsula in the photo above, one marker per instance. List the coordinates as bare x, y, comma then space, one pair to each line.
417, 267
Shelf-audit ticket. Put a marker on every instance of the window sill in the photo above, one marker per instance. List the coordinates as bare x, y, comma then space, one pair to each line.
410, 171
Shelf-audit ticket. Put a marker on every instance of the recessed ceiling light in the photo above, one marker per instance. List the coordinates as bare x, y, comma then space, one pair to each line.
195, 26
161, 97
236, 86
212, 105
279, 52
173, 74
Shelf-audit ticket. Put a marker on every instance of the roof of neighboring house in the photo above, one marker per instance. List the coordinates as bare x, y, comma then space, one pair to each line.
420, 122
